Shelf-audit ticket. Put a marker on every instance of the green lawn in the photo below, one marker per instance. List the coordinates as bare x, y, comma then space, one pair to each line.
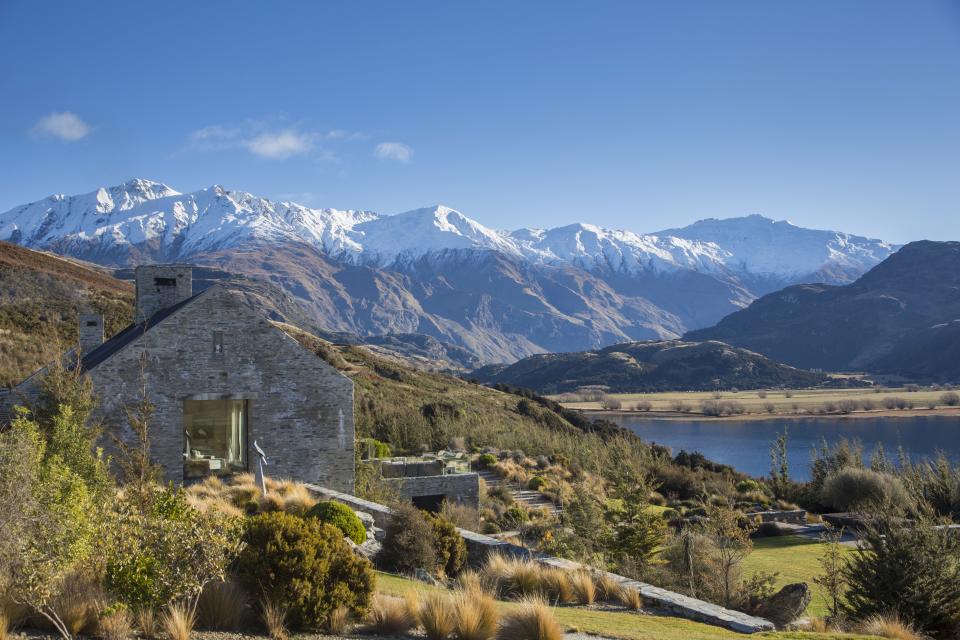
617, 624
795, 559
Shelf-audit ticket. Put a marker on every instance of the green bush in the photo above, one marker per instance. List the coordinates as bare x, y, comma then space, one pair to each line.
303, 566
747, 486
486, 460
408, 542
854, 488
448, 544
342, 517
536, 483
376, 448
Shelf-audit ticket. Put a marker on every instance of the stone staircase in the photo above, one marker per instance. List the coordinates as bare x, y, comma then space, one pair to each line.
521, 495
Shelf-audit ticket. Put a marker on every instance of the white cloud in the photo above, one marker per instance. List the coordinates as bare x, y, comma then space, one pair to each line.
280, 144
65, 126
393, 151
255, 137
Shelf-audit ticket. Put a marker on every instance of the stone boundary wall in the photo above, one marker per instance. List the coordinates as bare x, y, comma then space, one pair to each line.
460, 488
795, 516
479, 546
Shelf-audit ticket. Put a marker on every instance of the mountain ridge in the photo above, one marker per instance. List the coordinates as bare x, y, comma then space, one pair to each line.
434, 271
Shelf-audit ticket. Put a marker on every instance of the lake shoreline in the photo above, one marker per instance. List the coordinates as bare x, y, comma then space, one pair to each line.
679, 416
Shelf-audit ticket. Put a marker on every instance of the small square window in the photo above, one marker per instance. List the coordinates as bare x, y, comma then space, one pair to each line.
218, 341
165, 282
92, 323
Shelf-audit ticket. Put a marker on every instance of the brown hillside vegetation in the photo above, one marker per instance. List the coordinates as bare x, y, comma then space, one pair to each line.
413, 409
40, 298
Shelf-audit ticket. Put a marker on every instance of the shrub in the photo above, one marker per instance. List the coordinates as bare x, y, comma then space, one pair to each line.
643, 405
373, 448
390, 616
436, 616
486, 460
448, 545
168, 552
611, 404
408, 542
911, 568
536, 483
475, 615
532, 620
853, 488
769, 530
303, 566
342, 517
951, 398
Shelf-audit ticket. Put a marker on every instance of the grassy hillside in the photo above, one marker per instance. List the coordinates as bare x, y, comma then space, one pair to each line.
650, 366
413, 409
40, 298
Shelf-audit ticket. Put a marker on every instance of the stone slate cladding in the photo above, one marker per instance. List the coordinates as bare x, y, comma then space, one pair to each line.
300, 408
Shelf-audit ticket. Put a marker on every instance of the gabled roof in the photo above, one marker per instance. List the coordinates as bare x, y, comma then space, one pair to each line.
131, 333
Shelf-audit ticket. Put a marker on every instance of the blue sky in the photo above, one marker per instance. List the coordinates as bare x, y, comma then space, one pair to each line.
641, 115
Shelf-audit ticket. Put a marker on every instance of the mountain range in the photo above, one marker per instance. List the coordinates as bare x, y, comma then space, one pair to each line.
500, 295
902, 317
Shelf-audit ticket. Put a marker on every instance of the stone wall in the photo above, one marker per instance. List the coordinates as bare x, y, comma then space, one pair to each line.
300, 408
160, 286
461, 488
480, 546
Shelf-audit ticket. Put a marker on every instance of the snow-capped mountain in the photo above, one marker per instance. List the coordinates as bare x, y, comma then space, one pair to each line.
502, 294
183, 224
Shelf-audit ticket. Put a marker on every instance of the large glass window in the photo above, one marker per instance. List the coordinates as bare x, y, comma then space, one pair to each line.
215, 438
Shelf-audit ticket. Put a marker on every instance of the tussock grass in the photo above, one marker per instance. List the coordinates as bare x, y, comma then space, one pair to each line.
221, 606
338, 620
584, 588
475, 615
436, 615
146, 621
116, 625
608, 588
178, 621
517, 578
470, 581
631, 598
79, 603
391, 616
4, 627
532, 620
274, 618
889, 626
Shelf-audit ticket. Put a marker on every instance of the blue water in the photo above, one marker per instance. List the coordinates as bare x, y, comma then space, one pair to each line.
745, 445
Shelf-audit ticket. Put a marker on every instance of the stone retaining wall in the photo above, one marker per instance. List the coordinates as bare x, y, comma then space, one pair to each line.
479, 546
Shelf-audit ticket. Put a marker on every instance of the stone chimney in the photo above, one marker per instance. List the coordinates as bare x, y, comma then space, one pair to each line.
160, 286
91, 331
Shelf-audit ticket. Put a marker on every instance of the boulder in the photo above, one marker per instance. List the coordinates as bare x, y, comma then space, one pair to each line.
366, 519
786, 605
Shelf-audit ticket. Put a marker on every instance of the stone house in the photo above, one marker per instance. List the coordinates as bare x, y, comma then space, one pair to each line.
221, 376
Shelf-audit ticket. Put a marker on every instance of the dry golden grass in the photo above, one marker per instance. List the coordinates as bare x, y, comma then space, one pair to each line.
392, 616
178, 620
297, 499
608, 587
792, 402
274, 618
584, 588
271, 502
4, 627
888, 626
116, 625
146, 621
79, 603
338, 620
555, 584
470, 581
475, 615
532, 620
436, 615
631, 598
221, 606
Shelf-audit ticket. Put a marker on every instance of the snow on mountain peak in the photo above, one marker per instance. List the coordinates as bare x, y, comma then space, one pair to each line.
180, 224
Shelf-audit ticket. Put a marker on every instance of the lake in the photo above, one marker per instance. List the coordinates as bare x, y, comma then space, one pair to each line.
745, 444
